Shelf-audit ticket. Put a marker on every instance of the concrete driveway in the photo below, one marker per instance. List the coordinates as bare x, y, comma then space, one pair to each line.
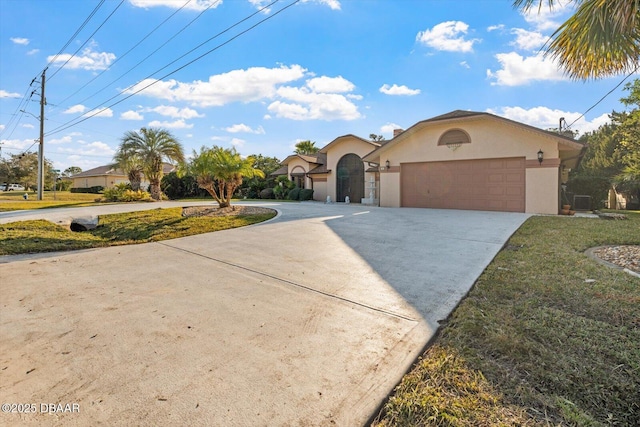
309, 319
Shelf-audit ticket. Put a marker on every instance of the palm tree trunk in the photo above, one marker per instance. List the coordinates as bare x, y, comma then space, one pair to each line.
156, 193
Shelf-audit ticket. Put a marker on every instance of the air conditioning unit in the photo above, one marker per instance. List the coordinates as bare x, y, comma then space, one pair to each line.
581, 203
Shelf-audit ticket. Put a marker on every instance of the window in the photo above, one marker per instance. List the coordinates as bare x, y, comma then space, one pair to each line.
454, 138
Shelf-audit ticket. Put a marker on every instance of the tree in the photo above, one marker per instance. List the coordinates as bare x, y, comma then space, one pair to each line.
131, 164
602, 38
376, 138
71, 170
220, 171
21, 169
152, 147
251, 187
306, 147
628, 180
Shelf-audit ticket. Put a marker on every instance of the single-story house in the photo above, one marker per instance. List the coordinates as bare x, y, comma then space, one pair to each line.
459, 160
108, 176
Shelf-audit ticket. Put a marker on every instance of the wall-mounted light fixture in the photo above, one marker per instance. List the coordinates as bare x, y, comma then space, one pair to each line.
387, 163
540, 156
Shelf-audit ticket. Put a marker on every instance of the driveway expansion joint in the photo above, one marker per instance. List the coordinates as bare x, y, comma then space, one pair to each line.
292, 283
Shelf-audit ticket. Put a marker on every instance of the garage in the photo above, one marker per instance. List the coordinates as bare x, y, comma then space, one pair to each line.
480, 184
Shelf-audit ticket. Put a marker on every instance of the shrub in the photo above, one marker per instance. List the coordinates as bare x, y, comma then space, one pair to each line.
176, 187
93, 190
124, 193
306, 194
294, 194
267, 193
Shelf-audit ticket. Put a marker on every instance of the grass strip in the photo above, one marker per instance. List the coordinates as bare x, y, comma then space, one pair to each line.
118, 229
547, 336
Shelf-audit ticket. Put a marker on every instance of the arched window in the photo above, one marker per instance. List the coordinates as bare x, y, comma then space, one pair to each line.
454, 138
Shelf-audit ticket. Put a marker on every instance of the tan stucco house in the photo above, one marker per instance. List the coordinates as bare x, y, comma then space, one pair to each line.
108, 176
459, 160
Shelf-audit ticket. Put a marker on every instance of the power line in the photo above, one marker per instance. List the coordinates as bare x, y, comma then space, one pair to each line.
147, 57
86, 21
88, 39
607, 94
126, 53
87, 117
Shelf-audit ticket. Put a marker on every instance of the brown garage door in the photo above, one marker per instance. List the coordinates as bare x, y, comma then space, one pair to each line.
486, 184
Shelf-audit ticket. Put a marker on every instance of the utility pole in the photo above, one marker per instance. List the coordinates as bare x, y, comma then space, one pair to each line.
43, 102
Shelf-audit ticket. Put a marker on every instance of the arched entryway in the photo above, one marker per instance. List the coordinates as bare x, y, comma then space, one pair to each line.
350, 178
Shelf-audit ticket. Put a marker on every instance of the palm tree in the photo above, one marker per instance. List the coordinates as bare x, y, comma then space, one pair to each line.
306, 147
602, 38
152, 147
131, 165
219, 171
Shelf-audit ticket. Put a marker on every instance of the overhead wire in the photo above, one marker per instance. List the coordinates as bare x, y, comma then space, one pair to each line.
607, 94
149, 55
87, 41
86, 21
124, 54
87, 116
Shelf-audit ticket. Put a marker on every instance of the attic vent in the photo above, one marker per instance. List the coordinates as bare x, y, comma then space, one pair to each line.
454, 138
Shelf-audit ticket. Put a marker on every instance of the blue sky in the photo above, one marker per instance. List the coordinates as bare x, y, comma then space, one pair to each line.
316, 70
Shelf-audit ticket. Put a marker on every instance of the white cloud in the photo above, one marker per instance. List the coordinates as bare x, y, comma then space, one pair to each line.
95, 148
543, 18
19, 40
464, 64
87, 60
242, 128
547, 118
447, 36
107, 112
78, 108
330, 84
2, 127
177, 124
309, 105
321, 98
131, 115
528, 40
237, 142
33, 51
5, 94
17, 144
495, 27
64, 140
389, 128
518, 70
27, 125
197, 5
398, 90
174, 112
248, 85
333, 4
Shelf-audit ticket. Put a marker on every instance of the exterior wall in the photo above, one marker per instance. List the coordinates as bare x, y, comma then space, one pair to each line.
390, 188
336, 152
298, 165
540, 195
106, 181
320, 188
489, 139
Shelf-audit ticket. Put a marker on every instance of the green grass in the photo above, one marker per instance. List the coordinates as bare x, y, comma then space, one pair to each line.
118, 229
13, 201
536, 342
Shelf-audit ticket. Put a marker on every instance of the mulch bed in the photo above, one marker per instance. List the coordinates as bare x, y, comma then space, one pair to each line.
230, 211
624, 256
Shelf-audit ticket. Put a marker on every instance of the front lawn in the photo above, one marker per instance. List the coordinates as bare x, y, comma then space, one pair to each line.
547, 336
118, 229
13, 200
